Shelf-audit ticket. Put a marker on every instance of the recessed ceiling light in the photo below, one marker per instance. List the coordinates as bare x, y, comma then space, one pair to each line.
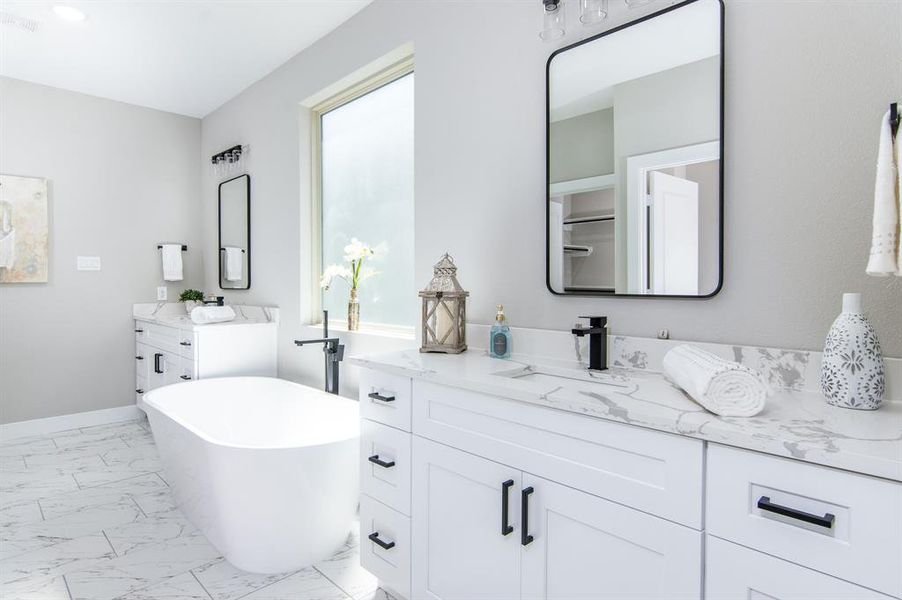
68, 13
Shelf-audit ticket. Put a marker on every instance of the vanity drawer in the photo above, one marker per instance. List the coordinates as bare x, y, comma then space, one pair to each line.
654, 472
385, 464
187, 343
140, 388
391, 565
187, 369
833, 521
733, 572
385, 398
143, 360
160, 336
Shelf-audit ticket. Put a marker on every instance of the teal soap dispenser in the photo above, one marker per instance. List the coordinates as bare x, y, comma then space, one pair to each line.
500, 336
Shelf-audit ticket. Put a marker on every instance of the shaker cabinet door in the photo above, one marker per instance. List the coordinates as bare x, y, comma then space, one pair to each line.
584, 547
463, 550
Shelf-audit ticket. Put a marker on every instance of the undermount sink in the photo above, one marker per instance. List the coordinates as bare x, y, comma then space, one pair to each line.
572, 378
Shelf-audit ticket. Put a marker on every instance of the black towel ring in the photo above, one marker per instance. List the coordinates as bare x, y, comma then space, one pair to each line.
894, 117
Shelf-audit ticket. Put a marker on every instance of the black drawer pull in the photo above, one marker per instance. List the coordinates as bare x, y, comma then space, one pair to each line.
185, 377
184, 343
826, 521
385, 465
139, 358
525, 538
139, 391
380, 397
157, 367
374, 537
139, 331
506, 527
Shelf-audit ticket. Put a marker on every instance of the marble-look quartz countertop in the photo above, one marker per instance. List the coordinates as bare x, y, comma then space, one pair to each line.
795, 424
173, 315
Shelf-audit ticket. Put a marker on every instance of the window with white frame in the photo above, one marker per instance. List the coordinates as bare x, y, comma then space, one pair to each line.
366, 192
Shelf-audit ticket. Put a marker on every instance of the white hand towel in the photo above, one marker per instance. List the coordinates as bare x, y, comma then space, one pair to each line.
172, 262
204, 315
722, 387
234, 263
885, 251
8, 249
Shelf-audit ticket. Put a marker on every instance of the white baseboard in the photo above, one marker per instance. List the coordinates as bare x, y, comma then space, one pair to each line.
22, 429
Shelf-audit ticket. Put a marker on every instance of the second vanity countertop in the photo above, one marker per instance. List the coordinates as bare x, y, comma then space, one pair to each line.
795, 424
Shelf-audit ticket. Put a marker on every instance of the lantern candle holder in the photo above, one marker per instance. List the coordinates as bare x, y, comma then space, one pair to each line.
444, 317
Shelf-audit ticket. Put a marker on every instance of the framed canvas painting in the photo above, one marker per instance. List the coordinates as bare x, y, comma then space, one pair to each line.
24, 229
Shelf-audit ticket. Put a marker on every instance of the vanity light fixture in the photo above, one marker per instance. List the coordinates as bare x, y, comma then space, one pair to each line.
229, 162
553, 18
637, 3
592, 12
69, 13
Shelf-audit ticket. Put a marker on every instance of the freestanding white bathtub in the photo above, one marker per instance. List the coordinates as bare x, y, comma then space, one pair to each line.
265, 468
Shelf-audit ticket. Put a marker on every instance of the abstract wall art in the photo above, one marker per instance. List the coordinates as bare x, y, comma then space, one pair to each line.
24, 229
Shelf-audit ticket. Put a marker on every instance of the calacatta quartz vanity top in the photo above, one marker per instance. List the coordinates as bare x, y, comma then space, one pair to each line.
795, 424
173, 314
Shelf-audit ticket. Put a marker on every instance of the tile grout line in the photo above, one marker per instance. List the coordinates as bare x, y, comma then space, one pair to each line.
41, 508
103, 531
206, 591
66, 582
326, 577
270, 584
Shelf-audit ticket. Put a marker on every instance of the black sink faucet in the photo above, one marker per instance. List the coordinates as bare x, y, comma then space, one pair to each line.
333, 354
598, 341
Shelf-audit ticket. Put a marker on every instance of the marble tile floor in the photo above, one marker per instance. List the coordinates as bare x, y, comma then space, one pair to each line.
87, 514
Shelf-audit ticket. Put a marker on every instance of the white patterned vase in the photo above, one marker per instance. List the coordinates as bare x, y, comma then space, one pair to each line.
852, 372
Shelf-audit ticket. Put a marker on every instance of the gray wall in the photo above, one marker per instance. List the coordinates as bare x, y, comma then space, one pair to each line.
801, 121
123, 179
582, 146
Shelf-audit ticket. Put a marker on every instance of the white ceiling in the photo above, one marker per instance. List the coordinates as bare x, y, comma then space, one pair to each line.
582, 80
183, 56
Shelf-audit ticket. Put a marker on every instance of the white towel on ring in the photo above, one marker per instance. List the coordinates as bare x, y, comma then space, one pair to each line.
234, 263
723, 387
886, 252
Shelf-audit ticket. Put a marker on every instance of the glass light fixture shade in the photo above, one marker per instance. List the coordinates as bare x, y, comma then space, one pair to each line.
637, 3
553, 21
444, 316
592, 11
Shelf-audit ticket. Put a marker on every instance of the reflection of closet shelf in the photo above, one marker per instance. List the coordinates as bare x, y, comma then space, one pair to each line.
578, 250
588, 219
587, 184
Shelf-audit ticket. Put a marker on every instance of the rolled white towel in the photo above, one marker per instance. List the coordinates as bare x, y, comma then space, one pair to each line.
204, 315
723, 387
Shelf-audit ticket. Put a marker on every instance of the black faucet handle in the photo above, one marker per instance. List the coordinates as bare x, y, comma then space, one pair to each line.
597, 321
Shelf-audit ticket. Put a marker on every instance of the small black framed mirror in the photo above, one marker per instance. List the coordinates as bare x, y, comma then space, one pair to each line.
235, 233
635, 158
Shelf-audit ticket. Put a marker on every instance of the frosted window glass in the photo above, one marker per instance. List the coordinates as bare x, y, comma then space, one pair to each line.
367, 193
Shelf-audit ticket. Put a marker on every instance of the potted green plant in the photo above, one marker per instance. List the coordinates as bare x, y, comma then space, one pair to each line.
192, 299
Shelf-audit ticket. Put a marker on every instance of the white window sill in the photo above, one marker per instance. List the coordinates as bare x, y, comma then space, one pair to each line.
367, 330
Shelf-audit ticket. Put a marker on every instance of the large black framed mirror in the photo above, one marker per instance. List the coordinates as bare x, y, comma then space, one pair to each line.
235, 233
634, 164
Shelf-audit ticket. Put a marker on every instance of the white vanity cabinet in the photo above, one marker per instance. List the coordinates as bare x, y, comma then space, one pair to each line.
173, 353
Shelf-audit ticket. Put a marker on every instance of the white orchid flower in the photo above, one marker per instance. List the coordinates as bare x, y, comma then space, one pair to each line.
333, 271
357, 250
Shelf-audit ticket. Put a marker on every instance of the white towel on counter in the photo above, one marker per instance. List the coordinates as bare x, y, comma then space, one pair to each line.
886, 253
723, 387
172, 262
234, 263
204, 315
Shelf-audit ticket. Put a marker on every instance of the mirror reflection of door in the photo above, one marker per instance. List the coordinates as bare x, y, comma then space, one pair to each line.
634, 158
234, 233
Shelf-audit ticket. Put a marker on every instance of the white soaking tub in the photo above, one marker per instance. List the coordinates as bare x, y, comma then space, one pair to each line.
265, 468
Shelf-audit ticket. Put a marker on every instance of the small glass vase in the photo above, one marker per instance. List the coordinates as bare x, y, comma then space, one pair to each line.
353, 312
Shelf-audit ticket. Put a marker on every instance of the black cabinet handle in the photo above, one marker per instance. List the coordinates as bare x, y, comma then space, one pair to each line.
139, 391
139, 331
156, 363
374, 537
525, 538
506, 527
185, 377
385, 465
184, 343
380, 397
139, 358
826, 521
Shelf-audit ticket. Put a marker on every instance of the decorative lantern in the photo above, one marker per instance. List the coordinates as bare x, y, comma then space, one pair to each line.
444, 310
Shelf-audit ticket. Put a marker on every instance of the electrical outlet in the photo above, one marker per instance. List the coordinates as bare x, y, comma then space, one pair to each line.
87, 263
663, 334
162, 292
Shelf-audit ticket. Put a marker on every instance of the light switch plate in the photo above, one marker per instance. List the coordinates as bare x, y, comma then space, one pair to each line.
162, 292
87, 263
